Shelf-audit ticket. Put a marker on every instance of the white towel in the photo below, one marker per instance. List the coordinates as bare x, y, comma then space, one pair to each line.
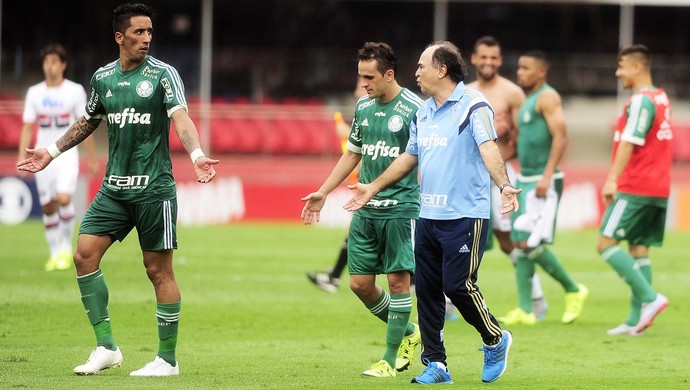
539, 217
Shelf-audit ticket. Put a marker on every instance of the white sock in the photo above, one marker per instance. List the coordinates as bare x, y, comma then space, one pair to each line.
52, 226
537, 292
66, 226
441, 366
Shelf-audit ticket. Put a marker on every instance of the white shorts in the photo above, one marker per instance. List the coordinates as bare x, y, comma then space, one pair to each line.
59, 177
501, 222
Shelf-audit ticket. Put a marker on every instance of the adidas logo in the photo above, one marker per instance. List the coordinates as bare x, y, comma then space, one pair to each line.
365, 122
108, 94
464, 249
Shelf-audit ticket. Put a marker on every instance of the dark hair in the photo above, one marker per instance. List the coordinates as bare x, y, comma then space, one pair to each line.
537, 55
449, 55
640, 52
124, 12
486, 40
382, 53
54, 48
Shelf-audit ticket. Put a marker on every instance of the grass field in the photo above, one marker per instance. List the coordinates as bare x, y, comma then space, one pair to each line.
250, 319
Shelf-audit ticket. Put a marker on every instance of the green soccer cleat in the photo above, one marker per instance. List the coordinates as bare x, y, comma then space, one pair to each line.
518, 316
406, 350
381, 369
574, 303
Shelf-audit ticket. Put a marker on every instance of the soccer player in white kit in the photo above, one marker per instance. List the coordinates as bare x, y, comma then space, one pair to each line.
55, 103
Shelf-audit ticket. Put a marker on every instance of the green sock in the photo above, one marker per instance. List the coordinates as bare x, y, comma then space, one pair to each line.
398, 320
645, 266
380, 307
524, 271
548, 261
94, 296
624, 265
168, 315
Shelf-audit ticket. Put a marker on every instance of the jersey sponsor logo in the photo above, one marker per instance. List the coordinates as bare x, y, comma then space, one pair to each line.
168, 89
150, 72
432, 141
47, 102
105, 74
123, 84
108, 94
134, 182
395, 124
144, 88
93, 101
380, 150
129, 116
380, 114
433, 200
366, 104
365, 122
403, 109
382, 202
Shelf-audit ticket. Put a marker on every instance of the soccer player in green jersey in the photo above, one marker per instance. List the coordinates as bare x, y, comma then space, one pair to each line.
137, 95
541, 142
380, 235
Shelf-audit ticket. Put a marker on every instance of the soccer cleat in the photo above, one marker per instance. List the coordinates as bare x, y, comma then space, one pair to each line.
406, 349
158, 367
518, 316
51, 264
63, 260
650, 311
540, 308
100, 359
433, 374
623, 329
496, 358
381, 369
324, 281
573, 304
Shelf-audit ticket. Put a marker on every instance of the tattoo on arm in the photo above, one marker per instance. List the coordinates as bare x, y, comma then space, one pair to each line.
78, 132
186, 139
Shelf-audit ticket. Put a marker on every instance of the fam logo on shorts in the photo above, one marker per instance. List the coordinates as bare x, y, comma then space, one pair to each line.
395, 123
145, 88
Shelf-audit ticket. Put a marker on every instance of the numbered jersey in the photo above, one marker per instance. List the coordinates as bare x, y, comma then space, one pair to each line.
55, 109
380, 132
137, 105
645, 123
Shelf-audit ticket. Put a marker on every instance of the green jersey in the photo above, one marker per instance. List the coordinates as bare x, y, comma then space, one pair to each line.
379, 133
137, 105
534, 138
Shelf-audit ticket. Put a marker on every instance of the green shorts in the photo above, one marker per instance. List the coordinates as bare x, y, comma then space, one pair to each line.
380, 246
155, 221
527, 184
640, 220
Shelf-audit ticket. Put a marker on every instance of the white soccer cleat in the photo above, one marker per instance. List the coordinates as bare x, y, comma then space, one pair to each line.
623, 329
650, 311
100, 359
158, 367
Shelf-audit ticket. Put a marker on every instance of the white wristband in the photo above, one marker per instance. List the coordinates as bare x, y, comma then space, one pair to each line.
53, 150
196, 153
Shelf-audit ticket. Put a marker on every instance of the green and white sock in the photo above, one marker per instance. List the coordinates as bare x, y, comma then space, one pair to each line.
626, 268
524, 271
94, 296
645, 267
548, 261
380, 307
168, 315
398, 320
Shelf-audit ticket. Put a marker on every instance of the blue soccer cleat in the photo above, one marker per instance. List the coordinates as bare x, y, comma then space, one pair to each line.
496, 358
433, 374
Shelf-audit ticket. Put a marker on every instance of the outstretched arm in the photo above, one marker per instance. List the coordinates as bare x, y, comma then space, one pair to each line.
189, 136
400, 167
37, 159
